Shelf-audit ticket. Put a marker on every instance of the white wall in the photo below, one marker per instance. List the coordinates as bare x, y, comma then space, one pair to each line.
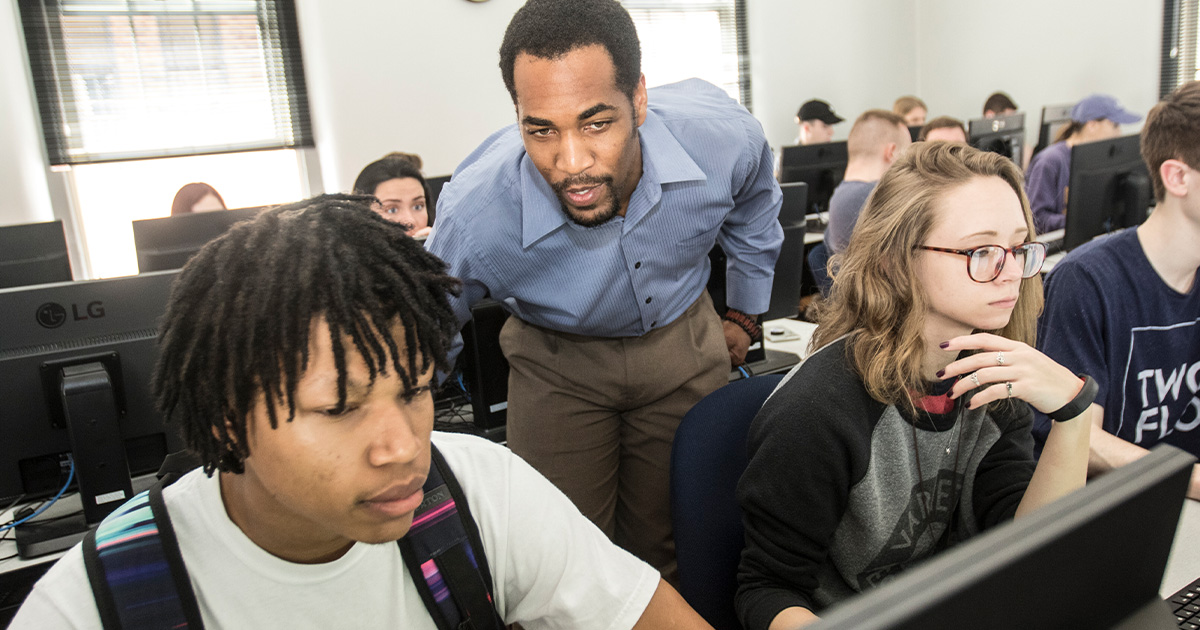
422, 75
419, 76
855, 54
1058, 52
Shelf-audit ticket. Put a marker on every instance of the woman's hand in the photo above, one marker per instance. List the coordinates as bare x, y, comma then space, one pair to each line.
1006, 368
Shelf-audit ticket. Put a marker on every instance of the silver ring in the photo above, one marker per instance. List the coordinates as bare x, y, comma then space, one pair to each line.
1009, 386
999, 358
974, 378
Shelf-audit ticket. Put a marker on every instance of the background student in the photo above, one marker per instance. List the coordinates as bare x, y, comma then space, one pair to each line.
1096, 117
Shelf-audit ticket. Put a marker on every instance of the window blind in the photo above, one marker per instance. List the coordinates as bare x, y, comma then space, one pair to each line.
1179, 45
694, 38
136, 79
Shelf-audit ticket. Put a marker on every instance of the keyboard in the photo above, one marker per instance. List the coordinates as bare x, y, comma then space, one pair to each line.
1186, 606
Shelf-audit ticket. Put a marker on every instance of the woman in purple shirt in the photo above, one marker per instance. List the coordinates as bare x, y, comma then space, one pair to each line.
1097, 117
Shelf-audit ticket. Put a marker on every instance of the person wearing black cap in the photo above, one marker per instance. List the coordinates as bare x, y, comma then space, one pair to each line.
816, 119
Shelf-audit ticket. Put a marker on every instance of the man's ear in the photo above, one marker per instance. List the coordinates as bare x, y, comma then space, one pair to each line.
1175, 176
639, 100
889, 152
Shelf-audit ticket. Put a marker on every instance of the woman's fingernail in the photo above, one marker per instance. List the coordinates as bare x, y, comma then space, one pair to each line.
944, 345
941, 373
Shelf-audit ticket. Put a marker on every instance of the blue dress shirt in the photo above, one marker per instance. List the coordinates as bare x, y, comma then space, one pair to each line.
706, 178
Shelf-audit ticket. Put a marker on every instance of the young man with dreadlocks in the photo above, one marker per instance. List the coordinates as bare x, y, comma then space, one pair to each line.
591, 220
296, 355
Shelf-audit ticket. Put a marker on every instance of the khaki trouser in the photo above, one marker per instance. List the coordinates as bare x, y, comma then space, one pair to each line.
597, 415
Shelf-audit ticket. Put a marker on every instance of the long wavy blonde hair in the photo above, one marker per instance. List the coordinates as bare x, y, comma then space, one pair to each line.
877, 300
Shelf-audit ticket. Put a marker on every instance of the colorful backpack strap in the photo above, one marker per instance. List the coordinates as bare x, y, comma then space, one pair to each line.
444, 547
136, 571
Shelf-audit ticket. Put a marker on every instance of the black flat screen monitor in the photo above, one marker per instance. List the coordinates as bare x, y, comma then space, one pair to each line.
1003, 134
33, 253
789, 272
435, 190
1109, 189
75, 366
167, 243
1054, 118
1091, 560
821, 166
484, 368
794, 210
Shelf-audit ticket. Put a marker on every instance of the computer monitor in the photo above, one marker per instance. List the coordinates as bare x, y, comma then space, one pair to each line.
75, 365
1093, 559
1109, 189
33, 253
794, 210
435, 190
484, 368
914, 132
821, 166
168, 242
1003, 134
1054, 118
789, 272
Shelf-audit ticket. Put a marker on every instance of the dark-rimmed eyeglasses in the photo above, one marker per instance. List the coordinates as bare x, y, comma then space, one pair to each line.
984, 263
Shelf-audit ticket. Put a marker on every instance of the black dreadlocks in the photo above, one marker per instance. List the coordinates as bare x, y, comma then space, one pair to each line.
238, 321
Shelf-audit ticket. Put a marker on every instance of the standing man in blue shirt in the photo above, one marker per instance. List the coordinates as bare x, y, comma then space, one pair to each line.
591, 220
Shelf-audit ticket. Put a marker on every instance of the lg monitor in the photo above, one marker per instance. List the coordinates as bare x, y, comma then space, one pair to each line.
821, 166
1092, 560
75, 365
1054, 118
1109, 189
1003, 134
168, 242
33, 253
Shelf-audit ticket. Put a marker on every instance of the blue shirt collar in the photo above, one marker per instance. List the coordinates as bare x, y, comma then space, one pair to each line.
664, 161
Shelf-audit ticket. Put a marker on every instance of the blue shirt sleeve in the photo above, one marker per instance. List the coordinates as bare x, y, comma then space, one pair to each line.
751, 235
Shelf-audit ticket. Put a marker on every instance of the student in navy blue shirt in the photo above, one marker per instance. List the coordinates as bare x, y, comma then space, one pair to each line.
591, 220
1126, 308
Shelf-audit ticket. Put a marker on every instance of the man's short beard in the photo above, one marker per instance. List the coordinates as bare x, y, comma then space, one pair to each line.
591, 219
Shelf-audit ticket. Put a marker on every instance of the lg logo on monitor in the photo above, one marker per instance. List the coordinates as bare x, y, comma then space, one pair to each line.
53, 315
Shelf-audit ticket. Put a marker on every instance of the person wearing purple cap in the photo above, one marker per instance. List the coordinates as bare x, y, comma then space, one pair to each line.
1096, 117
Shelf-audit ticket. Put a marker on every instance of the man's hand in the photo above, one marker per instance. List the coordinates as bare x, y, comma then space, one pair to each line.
737, 341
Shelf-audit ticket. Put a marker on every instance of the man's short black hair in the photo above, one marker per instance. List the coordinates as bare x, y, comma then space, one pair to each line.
549, 29
238, 322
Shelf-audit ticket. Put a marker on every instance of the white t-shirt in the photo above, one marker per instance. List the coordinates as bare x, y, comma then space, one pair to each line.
552, 568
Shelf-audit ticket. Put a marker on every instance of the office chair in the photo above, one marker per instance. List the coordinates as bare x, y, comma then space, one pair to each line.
818, 258
707, 458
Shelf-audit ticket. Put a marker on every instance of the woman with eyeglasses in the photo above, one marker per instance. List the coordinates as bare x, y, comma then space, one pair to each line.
400, 191
907, 430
